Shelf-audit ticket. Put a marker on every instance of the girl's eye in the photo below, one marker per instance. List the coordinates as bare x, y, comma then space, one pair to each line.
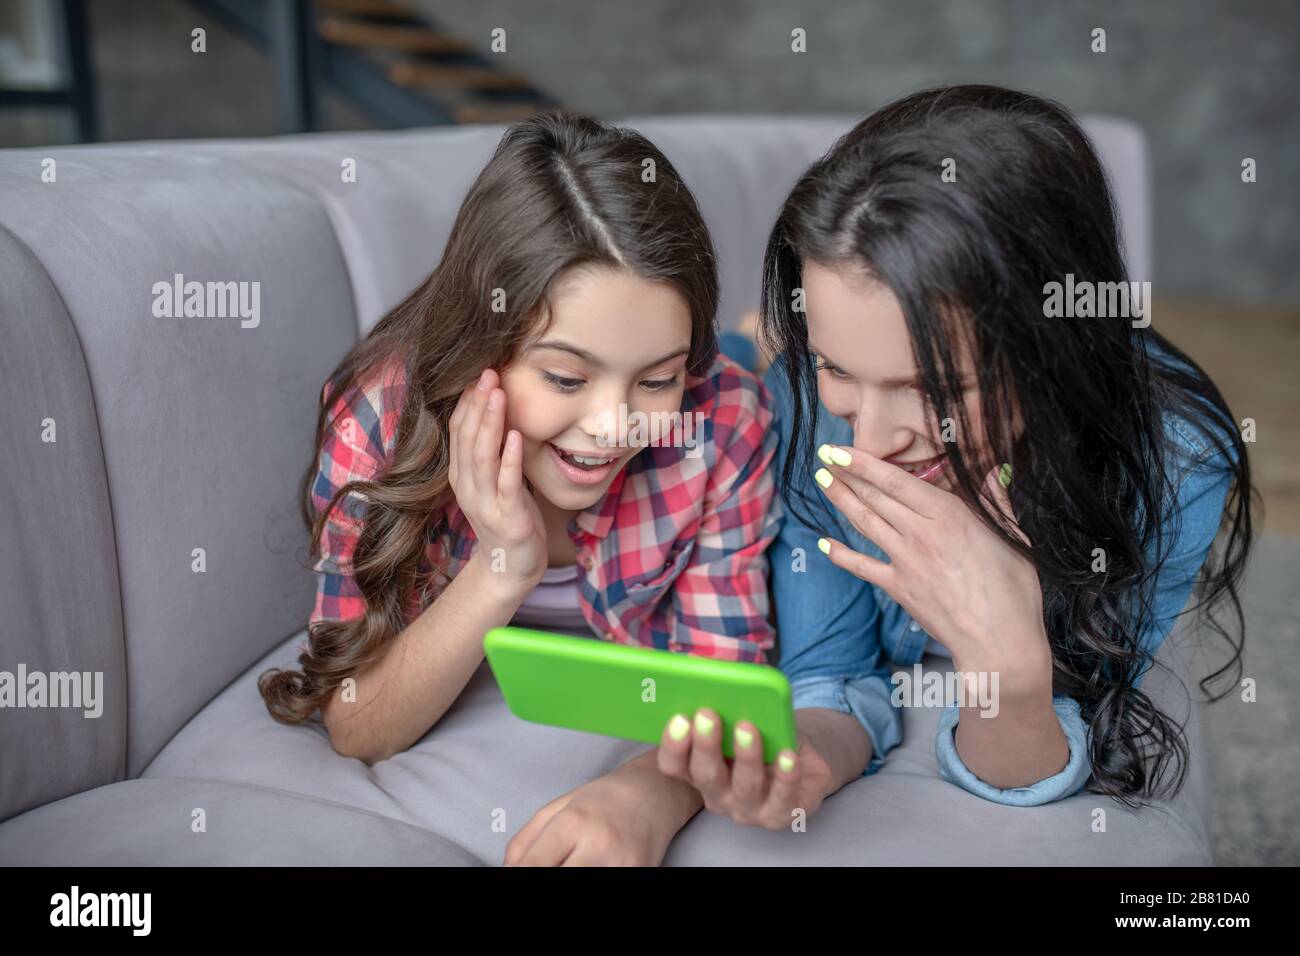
658, 384
560, 382
825, 366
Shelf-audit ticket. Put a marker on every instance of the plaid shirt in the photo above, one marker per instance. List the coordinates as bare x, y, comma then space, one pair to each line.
672, 557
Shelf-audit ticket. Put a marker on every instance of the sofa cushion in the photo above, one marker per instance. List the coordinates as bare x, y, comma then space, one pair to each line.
150, 823
206, 423
480, 773
58, 572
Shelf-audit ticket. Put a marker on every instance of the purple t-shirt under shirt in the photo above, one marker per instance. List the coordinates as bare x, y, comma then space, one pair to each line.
553, 604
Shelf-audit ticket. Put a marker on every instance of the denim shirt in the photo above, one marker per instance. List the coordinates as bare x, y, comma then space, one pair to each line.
839, 635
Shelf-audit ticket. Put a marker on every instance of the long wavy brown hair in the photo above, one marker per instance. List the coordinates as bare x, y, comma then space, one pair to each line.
560, 191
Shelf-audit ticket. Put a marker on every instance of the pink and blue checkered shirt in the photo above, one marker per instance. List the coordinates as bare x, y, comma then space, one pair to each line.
672, 557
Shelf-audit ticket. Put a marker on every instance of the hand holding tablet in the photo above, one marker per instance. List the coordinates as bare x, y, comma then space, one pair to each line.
633, 692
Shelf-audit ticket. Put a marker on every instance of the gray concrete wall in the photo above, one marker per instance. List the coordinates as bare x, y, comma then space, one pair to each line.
1211, 82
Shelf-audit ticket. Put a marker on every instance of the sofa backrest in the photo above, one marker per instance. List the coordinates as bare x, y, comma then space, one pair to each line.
156, 540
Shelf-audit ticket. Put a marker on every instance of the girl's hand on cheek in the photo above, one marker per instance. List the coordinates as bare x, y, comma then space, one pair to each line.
745, 789
966, 585
488, 482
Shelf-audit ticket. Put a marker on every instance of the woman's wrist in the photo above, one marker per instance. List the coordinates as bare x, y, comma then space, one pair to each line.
838, 740
1023, 666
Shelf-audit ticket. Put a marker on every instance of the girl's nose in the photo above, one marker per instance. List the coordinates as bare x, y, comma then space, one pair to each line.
603, 412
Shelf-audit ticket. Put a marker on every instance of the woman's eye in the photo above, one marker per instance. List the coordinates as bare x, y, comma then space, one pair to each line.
560, 382
824, 366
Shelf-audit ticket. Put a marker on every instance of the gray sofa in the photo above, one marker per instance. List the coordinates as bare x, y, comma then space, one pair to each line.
178, 434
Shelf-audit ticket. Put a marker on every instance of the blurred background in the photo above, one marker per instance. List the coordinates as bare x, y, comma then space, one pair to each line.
1211, 84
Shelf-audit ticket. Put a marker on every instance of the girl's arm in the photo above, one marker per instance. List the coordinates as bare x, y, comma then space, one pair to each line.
676, 801
424, 670
391, 704
628, 817
631, 814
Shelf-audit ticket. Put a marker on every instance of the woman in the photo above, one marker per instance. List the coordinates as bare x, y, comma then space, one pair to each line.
1034, 496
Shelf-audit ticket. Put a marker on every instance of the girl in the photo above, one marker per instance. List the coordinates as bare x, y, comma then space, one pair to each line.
479, 424
1033, 496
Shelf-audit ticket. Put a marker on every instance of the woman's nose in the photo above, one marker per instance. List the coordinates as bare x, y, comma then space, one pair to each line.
877, 432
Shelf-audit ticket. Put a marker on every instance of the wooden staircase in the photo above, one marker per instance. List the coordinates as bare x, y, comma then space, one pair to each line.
386, 58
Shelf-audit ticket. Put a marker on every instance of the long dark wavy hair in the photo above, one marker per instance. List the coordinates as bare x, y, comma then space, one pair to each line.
561, 191
968, 262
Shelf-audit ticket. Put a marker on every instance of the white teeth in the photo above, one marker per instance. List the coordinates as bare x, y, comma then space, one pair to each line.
913, 468
584, 459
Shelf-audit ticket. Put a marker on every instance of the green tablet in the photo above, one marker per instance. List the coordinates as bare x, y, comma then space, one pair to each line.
632, 692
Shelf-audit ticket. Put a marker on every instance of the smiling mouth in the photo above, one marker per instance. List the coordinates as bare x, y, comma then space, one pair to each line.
926, 469
582, 468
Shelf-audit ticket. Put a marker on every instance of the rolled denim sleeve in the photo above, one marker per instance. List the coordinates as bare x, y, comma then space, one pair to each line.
1187, 532
828, 622
1066, 783
866, 698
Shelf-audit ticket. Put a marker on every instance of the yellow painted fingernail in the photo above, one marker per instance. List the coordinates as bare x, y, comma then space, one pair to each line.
703, 725
841, 457
823, 477
679, 727
823, 546
1004, 476
785, 762
824, 453
744, 738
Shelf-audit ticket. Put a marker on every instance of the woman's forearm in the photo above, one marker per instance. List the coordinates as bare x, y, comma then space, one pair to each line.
1020, 746
840, 739
424, 670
